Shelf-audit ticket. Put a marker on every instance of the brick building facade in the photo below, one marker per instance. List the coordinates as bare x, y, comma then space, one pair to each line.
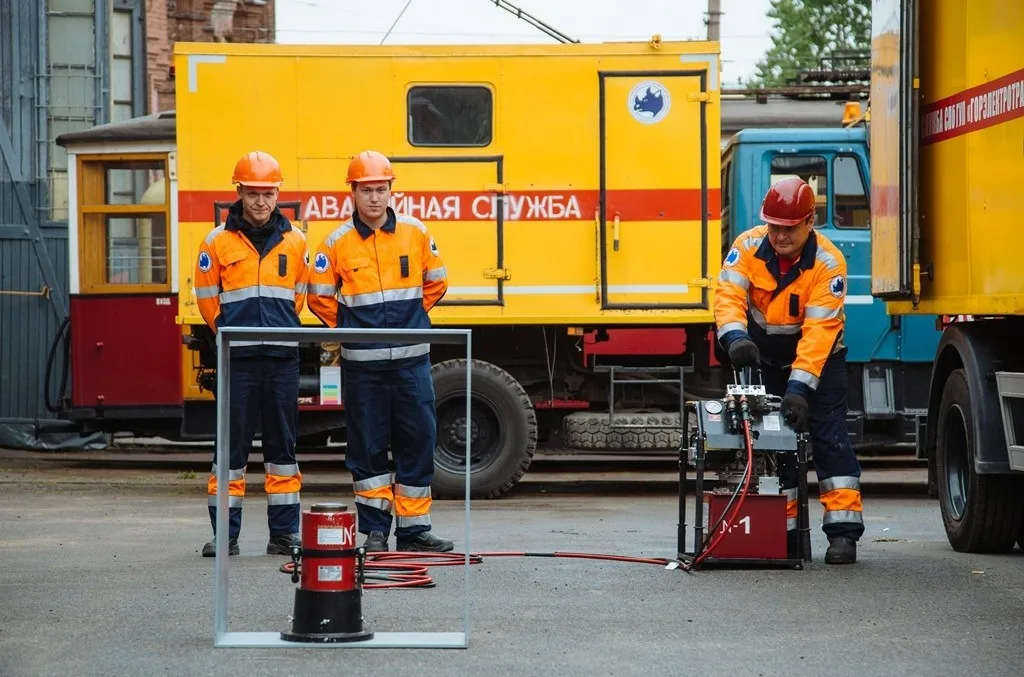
168, 21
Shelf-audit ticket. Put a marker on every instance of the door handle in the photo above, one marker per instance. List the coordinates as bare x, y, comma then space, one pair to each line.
597, 254
615, 232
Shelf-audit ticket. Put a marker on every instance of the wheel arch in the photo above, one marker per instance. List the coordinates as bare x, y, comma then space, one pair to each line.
977, 348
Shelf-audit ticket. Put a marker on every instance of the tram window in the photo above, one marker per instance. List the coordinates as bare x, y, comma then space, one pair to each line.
125, 212
452, 115
852, 209
811, 168
136, 249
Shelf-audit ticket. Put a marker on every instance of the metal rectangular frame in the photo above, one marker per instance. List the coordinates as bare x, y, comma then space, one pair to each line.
222, 636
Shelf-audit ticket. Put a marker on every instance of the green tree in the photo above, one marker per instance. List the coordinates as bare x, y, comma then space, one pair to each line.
804, 31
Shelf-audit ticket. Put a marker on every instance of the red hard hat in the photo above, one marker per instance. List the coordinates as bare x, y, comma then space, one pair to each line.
370, 166
257, 169
788, 202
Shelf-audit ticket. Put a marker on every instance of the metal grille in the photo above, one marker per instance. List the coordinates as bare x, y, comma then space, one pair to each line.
136, 251
70, 94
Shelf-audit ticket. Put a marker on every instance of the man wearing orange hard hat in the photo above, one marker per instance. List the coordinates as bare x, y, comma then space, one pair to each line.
380, 269
253, 272
780, 308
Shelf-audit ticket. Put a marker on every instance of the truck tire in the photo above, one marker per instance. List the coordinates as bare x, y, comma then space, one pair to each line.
981, 513
592, 430
504, 428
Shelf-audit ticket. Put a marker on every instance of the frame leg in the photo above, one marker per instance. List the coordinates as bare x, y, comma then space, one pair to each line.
803, 514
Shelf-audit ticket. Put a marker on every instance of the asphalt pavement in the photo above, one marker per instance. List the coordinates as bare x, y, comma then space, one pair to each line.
110, 582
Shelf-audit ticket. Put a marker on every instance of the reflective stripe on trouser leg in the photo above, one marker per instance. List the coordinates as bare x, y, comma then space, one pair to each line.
413, 440
282, 484
243, 410
412, 507
236, 492
367, 420
280, 419
374, 495
791, 508
835, 463
840, 496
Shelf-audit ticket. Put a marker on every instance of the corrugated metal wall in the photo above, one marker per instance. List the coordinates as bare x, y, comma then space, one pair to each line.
33, 229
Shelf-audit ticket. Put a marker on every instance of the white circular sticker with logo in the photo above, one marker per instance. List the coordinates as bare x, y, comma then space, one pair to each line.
649, 102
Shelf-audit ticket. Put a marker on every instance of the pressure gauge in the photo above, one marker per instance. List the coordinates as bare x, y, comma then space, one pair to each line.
713, 407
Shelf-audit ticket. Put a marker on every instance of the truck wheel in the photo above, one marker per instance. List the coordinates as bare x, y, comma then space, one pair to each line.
591, 430
981, 513
503, 429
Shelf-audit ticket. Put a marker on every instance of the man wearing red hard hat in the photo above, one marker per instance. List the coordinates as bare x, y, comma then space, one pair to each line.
779, 307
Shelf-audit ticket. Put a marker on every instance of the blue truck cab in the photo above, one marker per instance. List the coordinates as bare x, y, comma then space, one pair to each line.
889, 358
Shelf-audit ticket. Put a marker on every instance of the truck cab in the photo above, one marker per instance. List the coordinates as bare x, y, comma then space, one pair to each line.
889, 357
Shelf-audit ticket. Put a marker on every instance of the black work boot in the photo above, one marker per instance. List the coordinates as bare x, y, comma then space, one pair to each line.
210, 549
281, 544
424, 542
841, 550
376, 542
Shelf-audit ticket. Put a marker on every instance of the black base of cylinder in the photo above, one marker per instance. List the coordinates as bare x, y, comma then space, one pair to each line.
342, 611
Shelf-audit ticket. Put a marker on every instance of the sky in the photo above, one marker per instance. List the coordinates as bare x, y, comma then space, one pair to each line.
744, 27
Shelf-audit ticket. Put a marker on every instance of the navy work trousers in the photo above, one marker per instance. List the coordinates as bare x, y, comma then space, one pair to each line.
835, 463
264, 391
393, 408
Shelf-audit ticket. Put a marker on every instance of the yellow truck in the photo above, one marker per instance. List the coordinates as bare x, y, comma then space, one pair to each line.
572, 189
947, 157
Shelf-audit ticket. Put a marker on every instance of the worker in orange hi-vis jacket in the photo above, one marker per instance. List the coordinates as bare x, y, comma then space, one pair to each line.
780, 306
377, 270
253, 271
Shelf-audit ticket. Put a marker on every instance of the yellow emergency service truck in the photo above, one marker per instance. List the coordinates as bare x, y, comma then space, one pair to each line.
572, 189
947, 157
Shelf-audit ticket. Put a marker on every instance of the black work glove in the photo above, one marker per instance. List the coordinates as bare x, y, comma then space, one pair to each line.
744, 353
794, 411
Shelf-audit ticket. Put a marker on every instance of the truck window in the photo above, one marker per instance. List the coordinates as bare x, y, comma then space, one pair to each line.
811, 168
452, 115
851, 206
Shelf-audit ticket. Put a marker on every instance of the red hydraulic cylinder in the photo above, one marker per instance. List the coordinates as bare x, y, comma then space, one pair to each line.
328, 601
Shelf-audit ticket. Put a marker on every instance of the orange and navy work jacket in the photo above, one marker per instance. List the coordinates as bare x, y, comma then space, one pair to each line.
237, 286
796, 319
384, 279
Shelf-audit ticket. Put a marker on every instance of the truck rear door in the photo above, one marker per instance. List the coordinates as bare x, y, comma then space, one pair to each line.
654, 203
893, 143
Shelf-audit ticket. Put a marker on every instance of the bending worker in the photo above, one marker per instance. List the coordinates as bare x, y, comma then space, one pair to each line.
253, 272
382, 270
780, 307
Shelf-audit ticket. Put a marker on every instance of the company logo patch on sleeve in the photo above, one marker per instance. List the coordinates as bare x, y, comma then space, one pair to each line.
305, 258
205, 262
732, 257
321, 263
838, 286
433, 248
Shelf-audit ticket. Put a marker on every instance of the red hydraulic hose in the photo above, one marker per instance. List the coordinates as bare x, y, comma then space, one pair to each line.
403, 569
409, 569
727, 523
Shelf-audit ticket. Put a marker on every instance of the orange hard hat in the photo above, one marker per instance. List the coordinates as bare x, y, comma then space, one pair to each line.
258, 169
370, 166
788, 202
